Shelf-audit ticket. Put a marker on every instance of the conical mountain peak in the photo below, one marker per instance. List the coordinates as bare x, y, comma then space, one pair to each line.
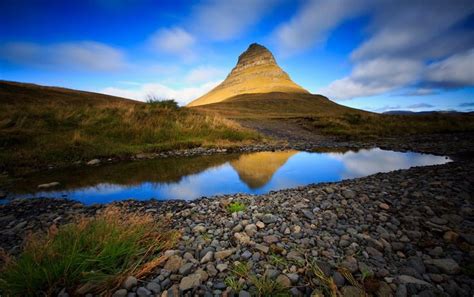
256, 72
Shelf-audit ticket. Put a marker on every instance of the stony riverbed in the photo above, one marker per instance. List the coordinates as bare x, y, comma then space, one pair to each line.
409, 232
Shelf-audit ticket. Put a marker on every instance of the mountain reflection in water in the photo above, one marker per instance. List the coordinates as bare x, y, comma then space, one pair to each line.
194, 177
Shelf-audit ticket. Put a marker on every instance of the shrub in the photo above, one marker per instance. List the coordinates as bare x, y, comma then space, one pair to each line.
93, 253
166, 103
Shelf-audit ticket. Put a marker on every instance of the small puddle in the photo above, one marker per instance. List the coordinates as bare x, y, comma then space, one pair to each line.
193, 177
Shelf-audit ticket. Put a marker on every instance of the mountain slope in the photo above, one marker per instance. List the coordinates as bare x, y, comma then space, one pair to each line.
25, 93
278, 105
256, 72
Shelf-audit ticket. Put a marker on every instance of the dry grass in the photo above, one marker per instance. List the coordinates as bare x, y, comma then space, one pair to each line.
42, 126
89, 255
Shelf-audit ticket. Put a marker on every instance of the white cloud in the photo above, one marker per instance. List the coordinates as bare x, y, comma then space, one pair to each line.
311, 24
457, 70
374, 77
181, 95
203, 74
175, 41
84, 55
224, 20
404, 36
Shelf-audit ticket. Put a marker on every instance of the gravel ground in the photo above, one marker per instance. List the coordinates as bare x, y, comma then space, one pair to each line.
403, 233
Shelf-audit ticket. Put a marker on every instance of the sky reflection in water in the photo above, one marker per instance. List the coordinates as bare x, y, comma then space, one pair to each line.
254, 173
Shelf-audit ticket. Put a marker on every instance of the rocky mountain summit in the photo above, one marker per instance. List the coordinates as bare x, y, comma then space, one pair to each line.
256, 72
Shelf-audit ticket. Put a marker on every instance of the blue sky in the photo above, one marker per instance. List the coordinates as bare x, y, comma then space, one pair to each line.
376, 55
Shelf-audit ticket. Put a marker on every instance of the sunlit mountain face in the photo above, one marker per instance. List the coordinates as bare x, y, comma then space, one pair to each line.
191, 178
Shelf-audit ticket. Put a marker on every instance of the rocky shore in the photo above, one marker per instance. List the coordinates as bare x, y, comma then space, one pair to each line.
403, 233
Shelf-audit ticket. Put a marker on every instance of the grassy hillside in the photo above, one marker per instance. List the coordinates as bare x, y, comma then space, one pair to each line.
320, 115
277, 105
44, 125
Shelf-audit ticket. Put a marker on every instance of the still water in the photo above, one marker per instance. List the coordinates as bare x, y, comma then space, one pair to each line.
194, 177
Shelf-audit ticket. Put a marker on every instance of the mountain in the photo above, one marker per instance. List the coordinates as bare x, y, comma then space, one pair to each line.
425, 112
256, 72
258, 88
250, 170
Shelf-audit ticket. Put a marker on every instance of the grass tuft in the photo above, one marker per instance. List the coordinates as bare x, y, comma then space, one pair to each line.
268, 287
236, 207
95, 253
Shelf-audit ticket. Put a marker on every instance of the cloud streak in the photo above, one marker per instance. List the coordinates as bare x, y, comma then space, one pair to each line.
84, 56
226, 20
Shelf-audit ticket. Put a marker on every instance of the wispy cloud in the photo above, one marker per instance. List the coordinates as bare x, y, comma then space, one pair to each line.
466, 104
420, 105
84, 55
204, 73
455, 71
225, 20
312, 23
374, 77
174, 41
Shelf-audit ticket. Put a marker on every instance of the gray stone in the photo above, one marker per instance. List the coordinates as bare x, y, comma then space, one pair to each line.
189, 282
271, 239
174, 263
129, 282
246, 255
223, 254
294, 277
351, 291
243, 293
208, 257
401, 291
407, 279
222, 267
143, 292
272, 273
384, 290
199, 229
308, 214
268, 218
348, 194
120, 293
447, 265
154, 287
186, 268
262, 248
417, 264
251, 230
283, 280
48, 185
93, 162
339, 280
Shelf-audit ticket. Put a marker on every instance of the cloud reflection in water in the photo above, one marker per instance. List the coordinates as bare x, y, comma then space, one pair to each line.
254, 173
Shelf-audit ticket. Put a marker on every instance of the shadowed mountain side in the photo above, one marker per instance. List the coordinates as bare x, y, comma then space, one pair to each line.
169, 170
257, 169
278, 105
256, 72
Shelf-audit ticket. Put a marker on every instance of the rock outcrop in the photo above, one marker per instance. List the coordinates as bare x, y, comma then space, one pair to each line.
256, 72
